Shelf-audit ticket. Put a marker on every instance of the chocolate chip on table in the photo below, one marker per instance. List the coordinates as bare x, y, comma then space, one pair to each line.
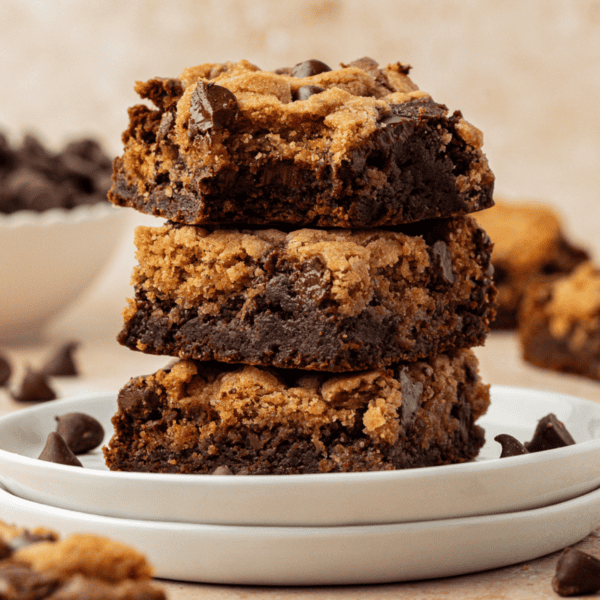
306, 91
81, 432
550, 433
57, 451
211, 106
577, 573
5, 370
309, 68
511, 446
62, 362
35, 388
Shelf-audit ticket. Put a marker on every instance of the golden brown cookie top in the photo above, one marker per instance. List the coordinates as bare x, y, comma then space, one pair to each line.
575, 301
524, 233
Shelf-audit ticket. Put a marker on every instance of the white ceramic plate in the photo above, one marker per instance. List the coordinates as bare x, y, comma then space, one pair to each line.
330, 555
490, 485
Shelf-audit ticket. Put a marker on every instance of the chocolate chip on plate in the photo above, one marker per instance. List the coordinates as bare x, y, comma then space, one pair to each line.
211, 106
577, 573
5, 370
57, 451
550, 433
62, 362
34, 388
81, 432
309, 68
306, 91
511, 446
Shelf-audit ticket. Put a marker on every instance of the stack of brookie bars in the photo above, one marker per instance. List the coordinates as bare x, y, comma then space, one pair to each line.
318, 277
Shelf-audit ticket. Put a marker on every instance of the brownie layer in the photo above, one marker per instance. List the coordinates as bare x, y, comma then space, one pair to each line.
560, 323
195, 417
35, 564
229, 143
529, 246
333, 300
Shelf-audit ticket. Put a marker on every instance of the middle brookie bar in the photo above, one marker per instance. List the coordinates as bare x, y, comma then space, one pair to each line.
195, 417
331, 300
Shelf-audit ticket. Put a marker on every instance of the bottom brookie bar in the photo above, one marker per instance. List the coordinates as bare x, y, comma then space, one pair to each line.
197, 417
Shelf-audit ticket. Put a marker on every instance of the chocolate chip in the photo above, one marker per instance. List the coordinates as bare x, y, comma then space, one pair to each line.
443, 260
5, 549
511, 446
5, 370
211, 106
165, 125
392, 119
81, 432
57, 451
577, 573
27, 538
222, 470
411, 398
62, 363
308, 68
550, 433
34, 388
306, 91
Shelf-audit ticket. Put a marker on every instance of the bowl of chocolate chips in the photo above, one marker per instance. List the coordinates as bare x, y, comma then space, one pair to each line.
57, 229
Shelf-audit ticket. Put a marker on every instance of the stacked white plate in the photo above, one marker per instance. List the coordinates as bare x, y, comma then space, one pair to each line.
320, 529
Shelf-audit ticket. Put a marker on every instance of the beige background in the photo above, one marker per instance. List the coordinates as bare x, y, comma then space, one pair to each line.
526, 72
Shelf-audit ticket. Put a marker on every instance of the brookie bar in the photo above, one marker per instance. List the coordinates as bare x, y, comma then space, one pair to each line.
354, 147
332, 300
196, 417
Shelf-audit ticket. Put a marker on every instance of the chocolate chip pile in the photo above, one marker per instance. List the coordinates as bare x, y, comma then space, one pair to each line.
36, 179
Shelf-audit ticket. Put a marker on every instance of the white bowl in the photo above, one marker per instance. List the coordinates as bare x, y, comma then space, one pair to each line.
48, 259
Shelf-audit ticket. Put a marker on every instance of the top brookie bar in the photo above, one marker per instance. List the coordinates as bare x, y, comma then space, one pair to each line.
354, 147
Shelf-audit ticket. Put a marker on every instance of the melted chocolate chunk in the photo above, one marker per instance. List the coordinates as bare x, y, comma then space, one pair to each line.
550, 433
5, 370
411, 398
511, 446
57, 451
5, 549
306, 91
577, 573
211, 106
81, 432
442, 258
62, 363
34, 388
22, 581
309, 68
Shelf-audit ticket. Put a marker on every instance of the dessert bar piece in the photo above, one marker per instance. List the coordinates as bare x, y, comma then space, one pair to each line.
529, 244
197, 417
560, 323
353, 147
333, 300
35, 564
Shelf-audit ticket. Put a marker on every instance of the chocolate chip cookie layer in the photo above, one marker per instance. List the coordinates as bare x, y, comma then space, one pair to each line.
35, 564
332, 300
197, 417
354, 147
